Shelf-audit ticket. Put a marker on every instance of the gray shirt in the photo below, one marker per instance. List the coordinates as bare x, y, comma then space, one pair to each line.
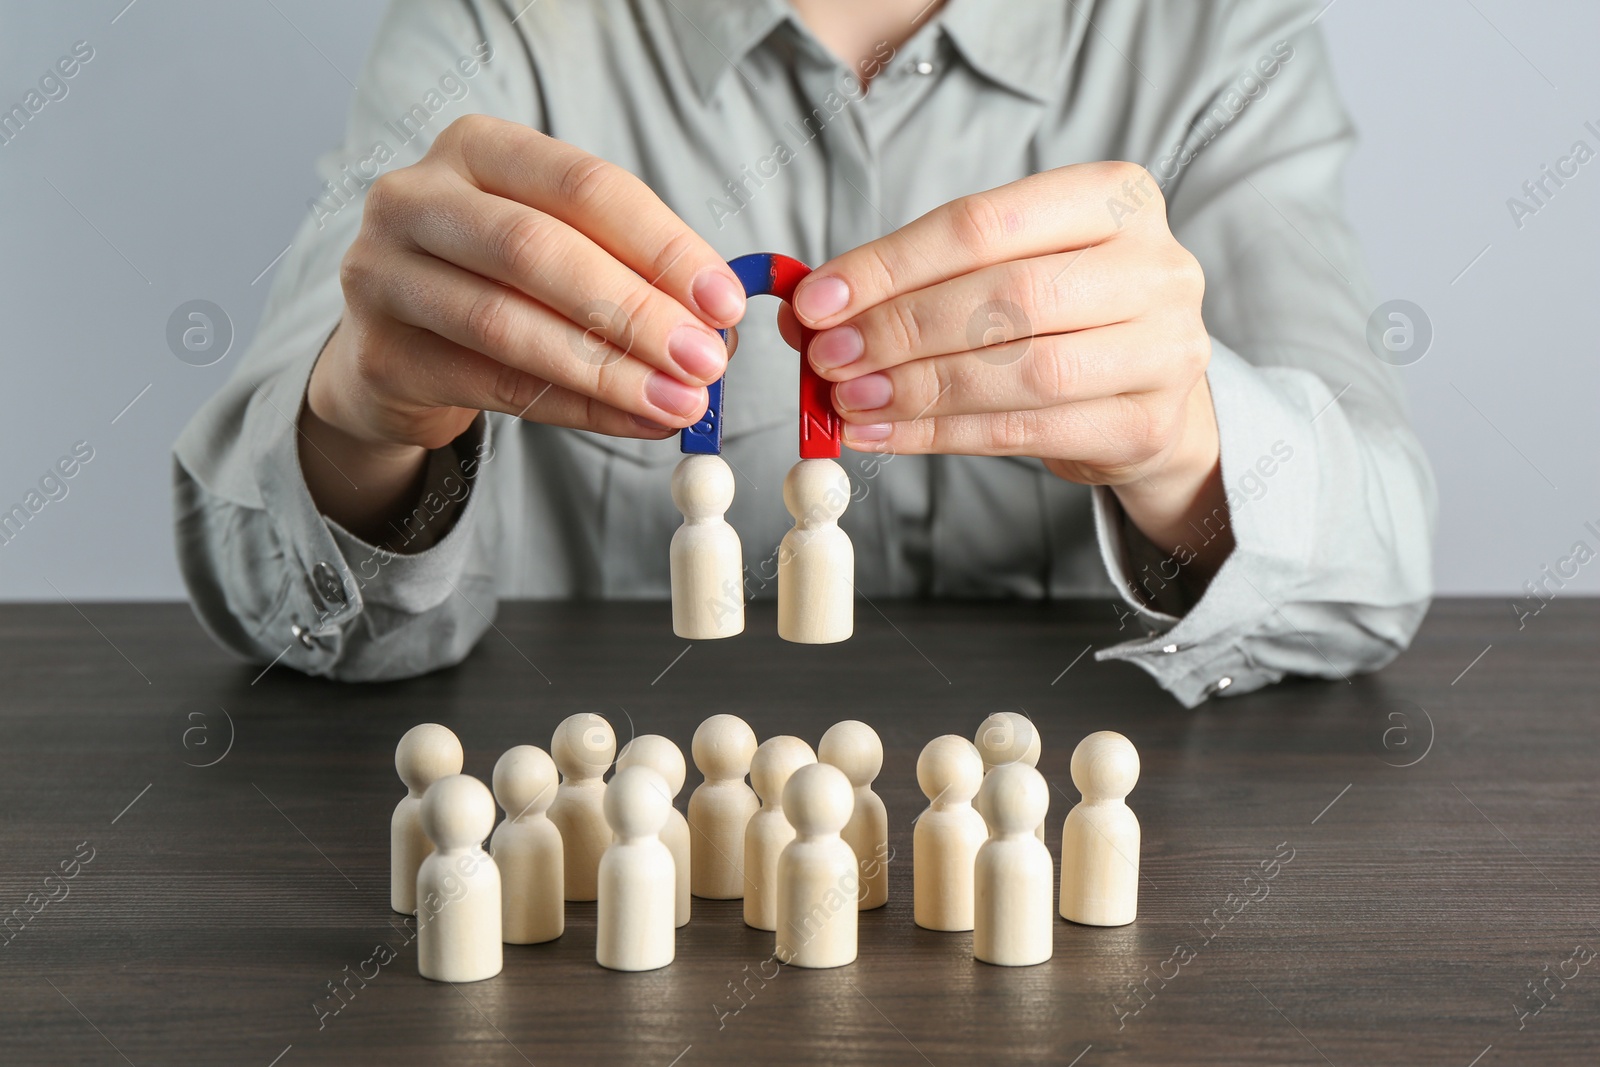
745, 125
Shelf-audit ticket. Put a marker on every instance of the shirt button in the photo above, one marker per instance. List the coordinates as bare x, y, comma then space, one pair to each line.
923, 66
328, 586
1169, 649
304, 636
1221, 684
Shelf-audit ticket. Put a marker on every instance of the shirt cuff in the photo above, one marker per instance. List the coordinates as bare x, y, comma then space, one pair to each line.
336, 578
1270, 478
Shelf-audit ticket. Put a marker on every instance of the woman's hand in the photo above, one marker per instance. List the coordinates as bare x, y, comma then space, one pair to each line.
507, 271
1054, 317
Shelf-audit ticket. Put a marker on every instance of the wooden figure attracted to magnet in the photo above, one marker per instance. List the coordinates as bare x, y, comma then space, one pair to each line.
816, 562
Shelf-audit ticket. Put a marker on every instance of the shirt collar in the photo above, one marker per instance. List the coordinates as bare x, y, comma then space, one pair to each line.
714, 35
1014, 44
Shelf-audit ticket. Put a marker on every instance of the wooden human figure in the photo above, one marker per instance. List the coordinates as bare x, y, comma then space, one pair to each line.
526, 848
707, 564
634, 919
458, 885
424, 755
582, 746
1013, 923
948, 834
816, 562
1008, 737
720, 807
817, 872
666, 759
854, 748
1100, 839
768, 830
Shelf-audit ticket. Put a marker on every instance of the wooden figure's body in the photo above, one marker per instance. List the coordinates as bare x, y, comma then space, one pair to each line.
817, 873
664, 757
526, 847
1008, 737
1013, 920
768, 831
458, 885
720, 807
816, 562
583, 746
1100, 839
707, 563
634, 927
424, 755
854, 748
948, 834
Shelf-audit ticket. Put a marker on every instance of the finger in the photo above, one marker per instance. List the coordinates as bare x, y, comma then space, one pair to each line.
427, 369
562, 269
1111, 432
1044, 213
1022, 375
992, 306
788, 326
613, 207
513, 329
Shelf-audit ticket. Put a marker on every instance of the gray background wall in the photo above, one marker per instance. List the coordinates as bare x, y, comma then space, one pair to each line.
178, 166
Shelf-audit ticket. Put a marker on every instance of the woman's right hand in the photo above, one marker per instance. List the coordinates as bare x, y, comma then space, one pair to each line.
508, 271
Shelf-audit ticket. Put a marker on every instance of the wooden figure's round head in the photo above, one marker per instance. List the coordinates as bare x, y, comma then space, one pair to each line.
818, 799
702, 487
723, 747
775, 760
950, 770
426, 754
524, 781
1007, 737
457, 812
854, 748
1105, 766
583, 746
637, 802
1014, 798
816, 490
660, 755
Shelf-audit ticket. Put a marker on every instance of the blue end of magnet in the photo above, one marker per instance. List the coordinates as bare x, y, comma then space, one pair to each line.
704, 438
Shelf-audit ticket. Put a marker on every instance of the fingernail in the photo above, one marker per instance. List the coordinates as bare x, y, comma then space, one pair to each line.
821, 298
719, 296
835, 348
679, 401
870, 434
647, 425
700, 354
867, 393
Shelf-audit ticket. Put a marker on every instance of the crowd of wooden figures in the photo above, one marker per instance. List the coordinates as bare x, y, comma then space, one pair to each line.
805, 843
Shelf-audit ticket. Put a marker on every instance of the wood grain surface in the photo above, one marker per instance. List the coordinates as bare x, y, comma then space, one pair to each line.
1395, 869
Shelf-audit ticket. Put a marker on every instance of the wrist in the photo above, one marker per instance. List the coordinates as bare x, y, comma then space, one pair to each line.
1182, 492
356, 479
333, 402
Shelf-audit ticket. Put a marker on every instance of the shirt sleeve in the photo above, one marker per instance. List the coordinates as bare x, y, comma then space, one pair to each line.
1330, 498
268, 575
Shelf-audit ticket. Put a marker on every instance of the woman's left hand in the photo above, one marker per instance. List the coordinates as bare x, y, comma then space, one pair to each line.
1054, 317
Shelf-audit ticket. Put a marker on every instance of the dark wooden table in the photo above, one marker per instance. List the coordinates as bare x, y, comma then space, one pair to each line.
1423, 844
